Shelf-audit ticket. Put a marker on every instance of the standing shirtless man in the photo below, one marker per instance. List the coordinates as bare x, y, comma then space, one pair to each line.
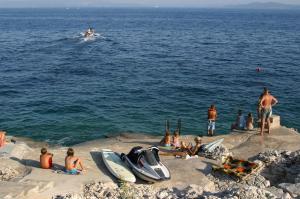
266, 104
211, 116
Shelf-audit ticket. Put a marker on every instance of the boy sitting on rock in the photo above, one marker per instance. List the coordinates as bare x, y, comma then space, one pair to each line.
45, 159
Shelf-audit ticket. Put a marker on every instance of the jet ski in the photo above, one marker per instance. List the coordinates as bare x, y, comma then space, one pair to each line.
90, 34
146, 164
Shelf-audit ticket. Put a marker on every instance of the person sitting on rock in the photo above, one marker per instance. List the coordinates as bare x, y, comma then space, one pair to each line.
72, 163
175, 141
2, 138
249, 122
240, 122
166, 141
186, 149
190, 149
45, 159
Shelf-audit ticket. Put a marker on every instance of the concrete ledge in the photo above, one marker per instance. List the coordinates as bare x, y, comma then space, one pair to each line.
275, 122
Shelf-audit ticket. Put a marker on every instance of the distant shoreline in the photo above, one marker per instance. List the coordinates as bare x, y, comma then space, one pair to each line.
260, 6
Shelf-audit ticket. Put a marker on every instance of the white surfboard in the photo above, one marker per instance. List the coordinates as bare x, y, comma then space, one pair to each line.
116, 166
212, 145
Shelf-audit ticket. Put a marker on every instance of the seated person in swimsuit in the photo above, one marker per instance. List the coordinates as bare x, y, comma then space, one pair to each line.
240, 121
45, 159
249, 122
72, 163
166, 141
175, 140
190, 149
2, 138
186, 149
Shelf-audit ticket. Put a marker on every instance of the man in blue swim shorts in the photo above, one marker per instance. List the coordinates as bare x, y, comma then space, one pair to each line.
211, 116
266, 103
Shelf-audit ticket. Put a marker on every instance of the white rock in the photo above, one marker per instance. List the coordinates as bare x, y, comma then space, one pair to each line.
292, 189
286, 196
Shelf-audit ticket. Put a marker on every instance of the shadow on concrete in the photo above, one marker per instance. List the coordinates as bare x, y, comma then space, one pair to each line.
97, 157
36, 164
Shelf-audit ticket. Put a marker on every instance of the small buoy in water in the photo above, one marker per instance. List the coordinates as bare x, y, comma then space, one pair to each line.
258, 69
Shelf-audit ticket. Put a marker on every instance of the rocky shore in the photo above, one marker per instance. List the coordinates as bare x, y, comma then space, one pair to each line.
279, 179
278, 154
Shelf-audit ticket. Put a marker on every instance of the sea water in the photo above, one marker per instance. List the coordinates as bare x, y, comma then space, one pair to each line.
148, 65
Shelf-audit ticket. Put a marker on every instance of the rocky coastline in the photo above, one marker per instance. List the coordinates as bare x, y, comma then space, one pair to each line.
21, 177
283, 165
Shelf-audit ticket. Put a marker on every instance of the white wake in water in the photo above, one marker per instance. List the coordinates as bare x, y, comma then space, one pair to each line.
91, 38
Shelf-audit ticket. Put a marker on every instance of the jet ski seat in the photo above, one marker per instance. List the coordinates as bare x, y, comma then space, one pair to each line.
134, 154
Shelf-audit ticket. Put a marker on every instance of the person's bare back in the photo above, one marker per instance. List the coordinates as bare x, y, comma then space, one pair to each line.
211, 116
45, 159
212, 113
268, 101
72, 163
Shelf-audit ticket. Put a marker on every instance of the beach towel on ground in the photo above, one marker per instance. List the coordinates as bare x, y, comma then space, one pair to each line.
237, 167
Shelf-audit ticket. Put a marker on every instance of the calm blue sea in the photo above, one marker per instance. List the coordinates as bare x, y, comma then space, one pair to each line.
148, 65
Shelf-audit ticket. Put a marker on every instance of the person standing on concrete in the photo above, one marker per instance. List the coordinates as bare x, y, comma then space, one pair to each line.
266, 104
211, 116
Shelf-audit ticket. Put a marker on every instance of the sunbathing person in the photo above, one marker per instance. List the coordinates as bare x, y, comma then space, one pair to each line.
175, 140
186, 150
45, 159
72, 163
166, 141
2, 138
190, 149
